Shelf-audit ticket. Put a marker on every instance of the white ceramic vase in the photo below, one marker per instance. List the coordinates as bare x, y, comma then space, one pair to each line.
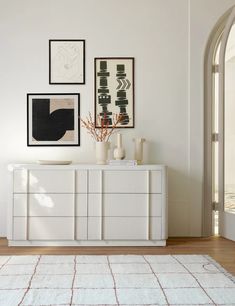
138, 155
119, 152
101, 151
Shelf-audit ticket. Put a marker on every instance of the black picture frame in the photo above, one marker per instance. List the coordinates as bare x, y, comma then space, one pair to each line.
67, 61
53, 119
115, 95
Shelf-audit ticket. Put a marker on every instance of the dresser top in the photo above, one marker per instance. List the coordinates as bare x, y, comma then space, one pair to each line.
72, 166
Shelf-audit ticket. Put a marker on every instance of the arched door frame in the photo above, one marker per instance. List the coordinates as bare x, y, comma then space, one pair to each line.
209, 69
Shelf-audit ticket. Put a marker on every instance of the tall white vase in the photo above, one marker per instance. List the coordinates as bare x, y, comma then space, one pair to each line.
101, 151
119, 152
138, 155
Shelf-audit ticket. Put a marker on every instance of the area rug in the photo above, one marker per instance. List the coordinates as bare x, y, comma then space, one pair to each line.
114, 280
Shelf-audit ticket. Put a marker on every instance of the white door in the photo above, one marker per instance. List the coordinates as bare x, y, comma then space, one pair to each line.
227, 130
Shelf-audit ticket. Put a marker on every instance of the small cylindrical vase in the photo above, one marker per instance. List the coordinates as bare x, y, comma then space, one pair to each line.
101, 151
119, 152
138, 155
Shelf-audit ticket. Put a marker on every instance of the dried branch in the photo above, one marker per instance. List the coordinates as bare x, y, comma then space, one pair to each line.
104, 131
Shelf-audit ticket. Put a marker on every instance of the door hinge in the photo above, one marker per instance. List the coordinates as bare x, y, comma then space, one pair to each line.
215, 68
215, 137
215, 206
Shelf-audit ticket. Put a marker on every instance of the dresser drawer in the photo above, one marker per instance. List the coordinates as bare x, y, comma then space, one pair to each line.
135, 205
50, 204
124, 181
19, 228
117, 228
51, 228
57, 205
39, 228
46, 204
20, 181
49, 181
20, 204
156, 232
81, 228
125, 228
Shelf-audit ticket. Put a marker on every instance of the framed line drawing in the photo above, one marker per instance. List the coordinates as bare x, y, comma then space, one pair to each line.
53, 119
114, 90
67, 61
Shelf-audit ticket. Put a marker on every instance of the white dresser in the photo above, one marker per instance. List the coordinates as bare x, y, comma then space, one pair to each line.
88, 205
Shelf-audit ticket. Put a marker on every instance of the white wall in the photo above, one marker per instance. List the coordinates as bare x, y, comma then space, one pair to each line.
167, 39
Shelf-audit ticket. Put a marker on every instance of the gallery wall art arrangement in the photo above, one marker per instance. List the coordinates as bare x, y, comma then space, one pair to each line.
53, 119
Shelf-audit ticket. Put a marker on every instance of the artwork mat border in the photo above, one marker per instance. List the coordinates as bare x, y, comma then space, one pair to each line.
77, 119
133, 89
83, 61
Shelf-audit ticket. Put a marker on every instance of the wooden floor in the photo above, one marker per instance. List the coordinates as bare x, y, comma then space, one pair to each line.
222, 250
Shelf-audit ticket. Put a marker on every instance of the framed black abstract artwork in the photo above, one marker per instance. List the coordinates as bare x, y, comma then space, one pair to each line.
67, 61
114, 90
53, 119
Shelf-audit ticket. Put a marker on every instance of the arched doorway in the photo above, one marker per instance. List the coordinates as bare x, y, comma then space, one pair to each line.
219, 170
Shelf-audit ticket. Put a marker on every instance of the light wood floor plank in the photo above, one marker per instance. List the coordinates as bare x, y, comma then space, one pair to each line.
222, 250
